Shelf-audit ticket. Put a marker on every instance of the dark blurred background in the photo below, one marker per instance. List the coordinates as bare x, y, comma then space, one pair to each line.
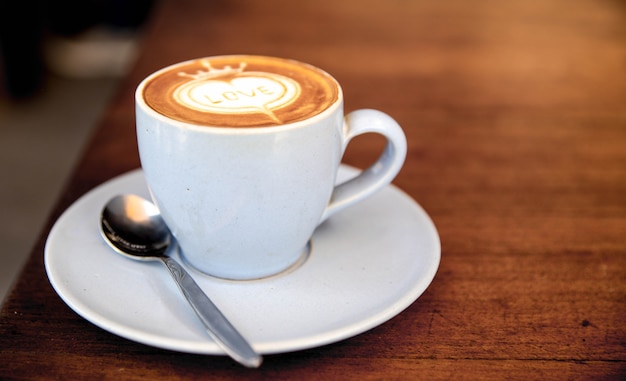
35, 34
60, 61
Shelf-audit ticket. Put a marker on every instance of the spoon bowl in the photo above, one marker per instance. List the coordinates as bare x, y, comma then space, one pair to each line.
134, 228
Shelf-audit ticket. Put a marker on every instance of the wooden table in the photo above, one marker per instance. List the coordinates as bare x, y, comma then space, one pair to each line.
515, 113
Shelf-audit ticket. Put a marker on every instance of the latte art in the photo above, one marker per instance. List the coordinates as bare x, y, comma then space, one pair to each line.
240, 91
247, 93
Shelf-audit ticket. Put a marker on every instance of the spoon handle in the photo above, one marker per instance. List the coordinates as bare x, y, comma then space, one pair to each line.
216, 324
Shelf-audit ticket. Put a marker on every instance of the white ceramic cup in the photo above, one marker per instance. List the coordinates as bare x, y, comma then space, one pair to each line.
243, 202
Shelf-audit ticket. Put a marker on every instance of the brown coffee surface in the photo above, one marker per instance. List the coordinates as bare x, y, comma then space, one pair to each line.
240, 91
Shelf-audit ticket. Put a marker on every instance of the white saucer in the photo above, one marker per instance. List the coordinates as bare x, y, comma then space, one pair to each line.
368, 263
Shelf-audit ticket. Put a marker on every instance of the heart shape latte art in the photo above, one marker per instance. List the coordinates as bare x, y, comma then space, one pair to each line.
250, 92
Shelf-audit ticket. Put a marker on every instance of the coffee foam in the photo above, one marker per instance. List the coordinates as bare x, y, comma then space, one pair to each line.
240, 91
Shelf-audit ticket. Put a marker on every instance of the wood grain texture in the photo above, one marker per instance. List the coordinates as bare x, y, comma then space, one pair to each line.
515, 114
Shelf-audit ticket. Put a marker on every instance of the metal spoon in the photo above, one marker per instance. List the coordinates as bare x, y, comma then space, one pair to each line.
135, 229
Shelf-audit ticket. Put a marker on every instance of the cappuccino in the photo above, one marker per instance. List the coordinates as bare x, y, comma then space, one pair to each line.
241, 154
240, 91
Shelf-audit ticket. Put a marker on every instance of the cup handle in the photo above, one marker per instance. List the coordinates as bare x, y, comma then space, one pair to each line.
379, 174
